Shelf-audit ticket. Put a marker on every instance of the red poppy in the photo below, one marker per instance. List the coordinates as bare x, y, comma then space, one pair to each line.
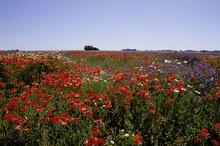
89, 113
39, 109
151, 110
97, 121
74, 120
215, 142
155, 80
146, 85
108, 104
55, 119
110, 87
198, 139
217, 94
181, 83
153, 73
169, 91
170, 73
217, 125
159, 87
137, 139
44, 103
208, 97
1, 97
117, 91
2, 84
130, 98
193, 78
21, 120
147, 95
21, 83
13, 90
94, 141
17, 127
27, 128
218, 83
124, 101
170, 100
204, 132
151, 105
96, 131
50, 113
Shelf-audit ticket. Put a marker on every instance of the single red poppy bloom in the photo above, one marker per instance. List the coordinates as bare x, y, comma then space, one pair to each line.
208, 97
97, 121
217, 95
13, 90
169, 91
146, 85
152, 110
55, 119
204, 132
218, 83
155, 80
137, 139
217, 125
1, 97
193, 78
151, 105
215, 142
44, 103
159, 87
21, 120
96, 131
170, 100
17, 127
198, 139
94, 141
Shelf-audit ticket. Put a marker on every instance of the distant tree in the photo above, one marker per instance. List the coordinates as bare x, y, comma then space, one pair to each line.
128, 49
204, 51
90, 48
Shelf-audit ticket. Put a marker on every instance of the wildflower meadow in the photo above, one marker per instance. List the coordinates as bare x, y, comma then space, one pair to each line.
109, 99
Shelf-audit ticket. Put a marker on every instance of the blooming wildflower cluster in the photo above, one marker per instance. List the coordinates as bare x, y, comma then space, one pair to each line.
105, 98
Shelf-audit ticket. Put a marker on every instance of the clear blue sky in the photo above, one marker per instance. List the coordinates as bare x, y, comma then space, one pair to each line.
110, 24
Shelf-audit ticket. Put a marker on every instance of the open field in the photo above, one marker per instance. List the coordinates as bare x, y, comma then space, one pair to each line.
109, 98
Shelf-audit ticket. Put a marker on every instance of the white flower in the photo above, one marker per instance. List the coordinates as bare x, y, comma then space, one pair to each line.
103, 73
189, 86
177, 91
197, 92
112, 142
176, 80
183, 89
126, 135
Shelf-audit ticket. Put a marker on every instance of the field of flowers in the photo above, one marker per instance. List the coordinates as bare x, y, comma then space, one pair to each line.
104, 98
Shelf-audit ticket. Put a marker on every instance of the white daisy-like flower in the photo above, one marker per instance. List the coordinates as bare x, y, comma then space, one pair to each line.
197, 92
177, 91
126, 135
189, 86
